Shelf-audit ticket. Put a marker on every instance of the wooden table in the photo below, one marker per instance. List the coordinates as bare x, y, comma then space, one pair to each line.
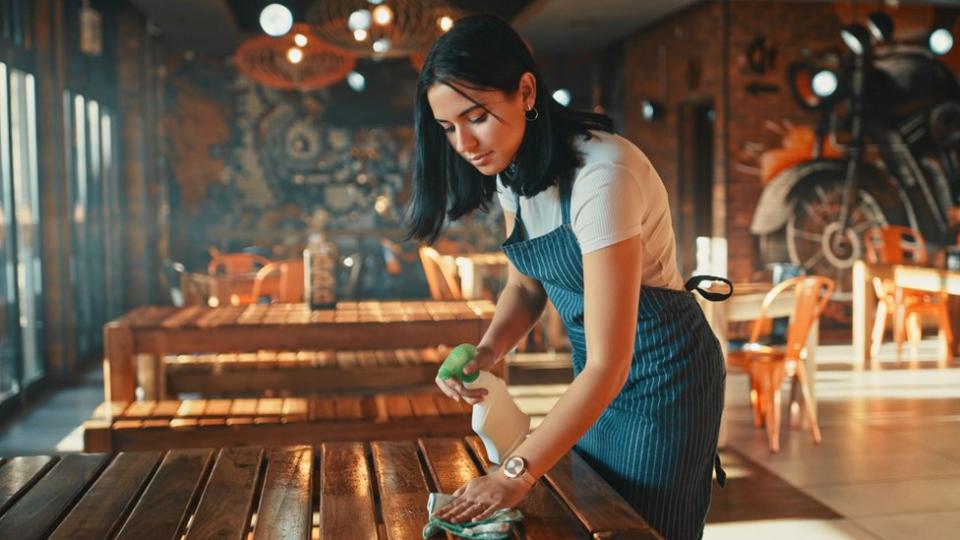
905, 276
152, 332
338, 491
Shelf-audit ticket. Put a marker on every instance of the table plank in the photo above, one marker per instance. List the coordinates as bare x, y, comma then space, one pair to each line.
346, 497
285, 506
39, 510
19, 475
402, 487
224, 509
544, 513
161, 512
601, 509
448, 463
99, 514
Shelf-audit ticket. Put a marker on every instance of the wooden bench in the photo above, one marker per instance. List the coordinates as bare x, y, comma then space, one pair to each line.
163, 425
306, 372
334, 491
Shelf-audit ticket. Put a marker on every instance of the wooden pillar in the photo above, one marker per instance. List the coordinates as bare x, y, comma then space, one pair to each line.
136, 73
51, 55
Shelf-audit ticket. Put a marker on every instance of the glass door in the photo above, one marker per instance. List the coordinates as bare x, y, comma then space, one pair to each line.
26, 199
9, 320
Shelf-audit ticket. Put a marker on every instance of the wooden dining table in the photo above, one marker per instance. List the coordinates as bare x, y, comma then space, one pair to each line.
934, 280
135, 344
337, 491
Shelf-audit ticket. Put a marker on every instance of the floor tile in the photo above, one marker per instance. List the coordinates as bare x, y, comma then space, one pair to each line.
890, 498
932, 525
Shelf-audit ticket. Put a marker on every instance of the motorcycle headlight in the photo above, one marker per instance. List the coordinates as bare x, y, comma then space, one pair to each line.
824, 83
941, 41
857, 38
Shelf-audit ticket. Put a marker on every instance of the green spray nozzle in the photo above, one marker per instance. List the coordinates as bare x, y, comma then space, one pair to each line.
453, 366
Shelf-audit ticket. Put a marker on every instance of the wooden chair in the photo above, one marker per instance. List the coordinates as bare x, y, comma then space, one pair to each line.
282, 281
441, 278
767, 366
896, 244
198, 423
234, 263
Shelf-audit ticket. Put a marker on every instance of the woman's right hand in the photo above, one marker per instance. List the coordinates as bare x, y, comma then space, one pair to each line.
484, 359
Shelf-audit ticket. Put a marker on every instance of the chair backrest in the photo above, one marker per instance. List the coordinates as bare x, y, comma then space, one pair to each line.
812, 294
441, 279
282, 281
895, 244
173, 273
235, 263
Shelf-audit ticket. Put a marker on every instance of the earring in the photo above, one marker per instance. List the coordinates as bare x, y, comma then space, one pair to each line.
536, 114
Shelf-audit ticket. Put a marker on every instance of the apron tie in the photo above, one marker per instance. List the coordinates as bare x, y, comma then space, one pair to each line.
693, 284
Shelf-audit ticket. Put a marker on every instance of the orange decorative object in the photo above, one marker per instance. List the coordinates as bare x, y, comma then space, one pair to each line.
298, 60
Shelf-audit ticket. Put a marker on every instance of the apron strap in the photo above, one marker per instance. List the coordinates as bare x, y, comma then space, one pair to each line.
693, 284
718, 469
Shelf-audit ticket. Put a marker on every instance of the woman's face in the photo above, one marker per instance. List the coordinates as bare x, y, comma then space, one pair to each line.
486, 128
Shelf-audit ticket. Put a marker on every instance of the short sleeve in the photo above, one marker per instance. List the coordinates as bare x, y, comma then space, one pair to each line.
508, 200
606, 206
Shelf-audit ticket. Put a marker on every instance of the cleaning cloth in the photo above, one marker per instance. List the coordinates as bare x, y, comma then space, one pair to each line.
495, 527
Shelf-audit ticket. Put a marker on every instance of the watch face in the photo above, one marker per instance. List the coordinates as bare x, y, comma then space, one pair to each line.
514, 467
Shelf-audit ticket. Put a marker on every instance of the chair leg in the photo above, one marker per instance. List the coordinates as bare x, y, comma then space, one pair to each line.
772, 380
808, 404
945, 333
898, 327
914, 334
756, 404
879, 324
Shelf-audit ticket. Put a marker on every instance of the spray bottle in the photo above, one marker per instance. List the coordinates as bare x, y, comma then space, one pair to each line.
497, 420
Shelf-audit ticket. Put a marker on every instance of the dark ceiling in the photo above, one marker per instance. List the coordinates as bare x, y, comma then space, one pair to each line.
248, 11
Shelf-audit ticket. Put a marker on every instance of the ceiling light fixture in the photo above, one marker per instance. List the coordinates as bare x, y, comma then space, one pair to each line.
381, 28
276, 20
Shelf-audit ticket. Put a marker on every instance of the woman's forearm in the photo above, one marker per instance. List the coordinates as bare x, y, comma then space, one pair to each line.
518, 309
577, 409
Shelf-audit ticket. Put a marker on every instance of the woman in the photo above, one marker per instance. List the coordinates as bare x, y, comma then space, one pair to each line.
589, 228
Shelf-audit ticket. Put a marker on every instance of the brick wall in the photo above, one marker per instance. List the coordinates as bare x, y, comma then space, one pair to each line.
660, 64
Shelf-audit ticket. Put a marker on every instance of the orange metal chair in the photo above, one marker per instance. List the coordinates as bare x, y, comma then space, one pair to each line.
234, 263
895, 244
441, 277
767, 366
282, 281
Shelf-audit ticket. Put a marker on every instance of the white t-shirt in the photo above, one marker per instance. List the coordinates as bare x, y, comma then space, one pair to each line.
616, 195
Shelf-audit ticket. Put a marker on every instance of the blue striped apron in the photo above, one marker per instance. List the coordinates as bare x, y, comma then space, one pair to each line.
656, 443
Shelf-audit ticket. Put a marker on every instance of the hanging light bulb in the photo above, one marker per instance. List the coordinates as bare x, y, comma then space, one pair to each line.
381, 45
445, 23
356, 81
359, 20
300, 40
382, 15
294, 55
276, 20
359, 35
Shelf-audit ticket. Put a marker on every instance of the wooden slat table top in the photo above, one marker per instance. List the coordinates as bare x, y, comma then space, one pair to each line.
161, 331
152, 317
335, 490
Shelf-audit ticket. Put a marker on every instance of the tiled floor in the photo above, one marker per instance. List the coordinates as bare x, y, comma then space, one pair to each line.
889, 464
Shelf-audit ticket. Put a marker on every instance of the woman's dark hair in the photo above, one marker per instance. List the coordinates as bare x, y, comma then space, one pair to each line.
482, 52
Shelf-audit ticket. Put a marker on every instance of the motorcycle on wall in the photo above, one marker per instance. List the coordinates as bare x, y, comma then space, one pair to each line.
894, 110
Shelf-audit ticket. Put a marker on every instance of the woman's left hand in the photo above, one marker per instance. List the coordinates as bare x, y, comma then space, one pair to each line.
483, 496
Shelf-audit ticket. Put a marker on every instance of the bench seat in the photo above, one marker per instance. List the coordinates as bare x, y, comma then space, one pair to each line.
201, 423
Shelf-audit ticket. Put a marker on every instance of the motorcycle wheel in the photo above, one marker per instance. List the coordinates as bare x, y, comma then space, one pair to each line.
808, 239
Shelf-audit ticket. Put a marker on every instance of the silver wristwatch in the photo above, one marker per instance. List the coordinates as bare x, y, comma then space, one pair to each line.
516, 467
